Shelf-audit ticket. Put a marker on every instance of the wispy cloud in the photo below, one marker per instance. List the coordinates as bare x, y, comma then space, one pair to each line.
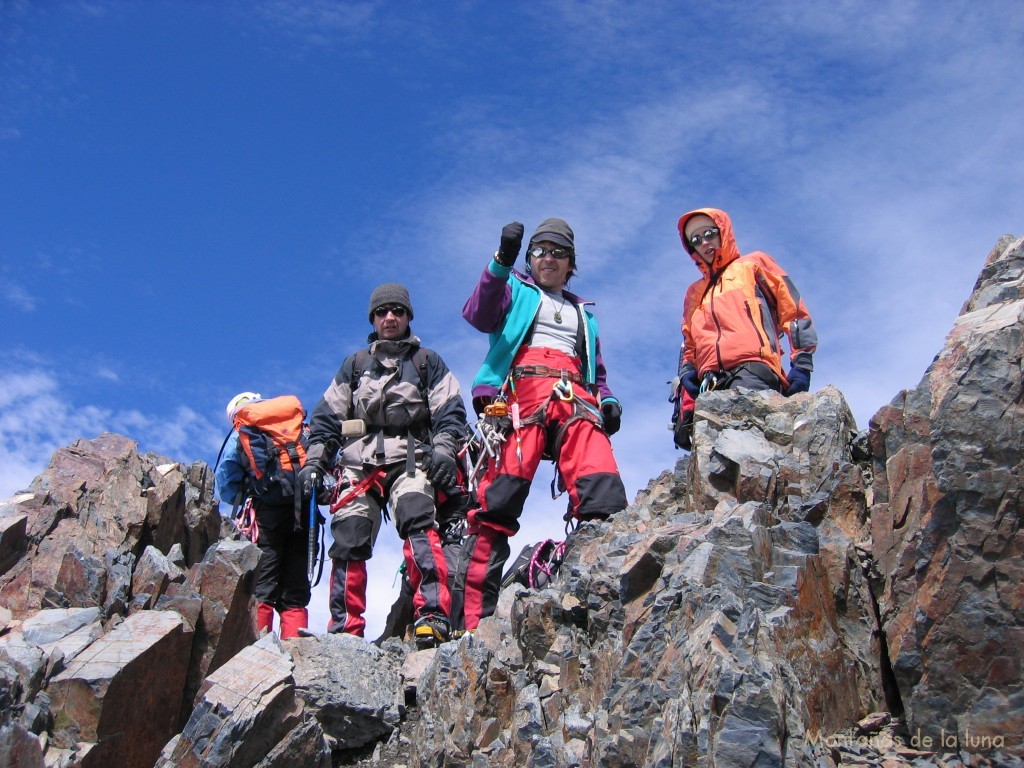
19, 298
317, 23
36, 418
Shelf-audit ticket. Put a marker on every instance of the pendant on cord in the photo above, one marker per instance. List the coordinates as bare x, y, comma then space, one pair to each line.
558, 317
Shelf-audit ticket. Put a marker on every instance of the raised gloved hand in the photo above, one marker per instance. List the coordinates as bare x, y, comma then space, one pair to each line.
612, 413
689, 381
511, 243
440, 466
799, 381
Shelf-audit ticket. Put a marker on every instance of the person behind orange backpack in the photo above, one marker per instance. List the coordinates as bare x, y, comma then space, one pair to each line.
734, 318
281, 582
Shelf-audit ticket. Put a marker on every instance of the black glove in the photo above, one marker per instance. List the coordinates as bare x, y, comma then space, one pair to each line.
325, 495
311, 478
682, 430
690, 382
612, 413
511, 242
799, 381
440, 466
311, 475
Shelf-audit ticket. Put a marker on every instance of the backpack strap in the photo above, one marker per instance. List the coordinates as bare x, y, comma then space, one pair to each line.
362, 363
220, 453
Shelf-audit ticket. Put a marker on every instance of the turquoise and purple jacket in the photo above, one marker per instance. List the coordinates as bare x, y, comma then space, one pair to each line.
504, 304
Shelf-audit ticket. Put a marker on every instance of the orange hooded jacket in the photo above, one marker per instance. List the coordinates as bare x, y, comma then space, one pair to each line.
737, 312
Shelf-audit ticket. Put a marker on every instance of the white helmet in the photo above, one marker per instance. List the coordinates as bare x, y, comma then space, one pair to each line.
239, 400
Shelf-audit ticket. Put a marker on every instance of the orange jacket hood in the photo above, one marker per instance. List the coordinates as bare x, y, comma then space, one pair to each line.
726, 254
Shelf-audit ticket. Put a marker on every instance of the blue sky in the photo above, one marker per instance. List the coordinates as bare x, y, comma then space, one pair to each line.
197, 198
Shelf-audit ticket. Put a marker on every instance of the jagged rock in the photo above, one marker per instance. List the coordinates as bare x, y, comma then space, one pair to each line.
946, 522
247, 715
13, 534
690, 634
353, 686
19, 747
60, 634
224, 621
153, 573
92, 512
22, 673
122, 694
52, 625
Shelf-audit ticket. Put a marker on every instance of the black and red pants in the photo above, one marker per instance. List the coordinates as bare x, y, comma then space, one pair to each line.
570, 433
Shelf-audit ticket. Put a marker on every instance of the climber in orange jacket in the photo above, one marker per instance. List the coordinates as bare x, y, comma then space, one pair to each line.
734, 318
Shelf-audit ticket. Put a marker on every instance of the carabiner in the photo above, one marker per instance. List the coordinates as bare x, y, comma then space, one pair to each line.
563, 388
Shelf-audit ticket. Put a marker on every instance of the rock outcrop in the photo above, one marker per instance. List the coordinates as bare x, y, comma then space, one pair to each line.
946, 523
792, 593
723, 619
121, 597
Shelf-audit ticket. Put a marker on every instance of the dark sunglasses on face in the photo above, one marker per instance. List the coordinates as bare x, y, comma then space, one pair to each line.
704, 237
395, 309
538, 252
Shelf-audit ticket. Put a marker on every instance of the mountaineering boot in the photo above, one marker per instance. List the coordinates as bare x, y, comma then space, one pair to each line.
264, 618
292, 620
430, 631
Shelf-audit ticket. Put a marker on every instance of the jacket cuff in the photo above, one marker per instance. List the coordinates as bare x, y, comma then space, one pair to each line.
803, 360
498, 269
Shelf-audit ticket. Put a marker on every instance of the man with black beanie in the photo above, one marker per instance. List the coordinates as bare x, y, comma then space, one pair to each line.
413, 420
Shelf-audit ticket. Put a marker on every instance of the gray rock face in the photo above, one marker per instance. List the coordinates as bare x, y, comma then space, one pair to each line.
351, 685
698, 627
248, 714
129, 681
946, 523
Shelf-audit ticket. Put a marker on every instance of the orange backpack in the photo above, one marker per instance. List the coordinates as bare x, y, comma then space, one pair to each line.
272, 437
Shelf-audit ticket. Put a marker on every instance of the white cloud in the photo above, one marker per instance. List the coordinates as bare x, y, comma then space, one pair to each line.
36, 419
19, 298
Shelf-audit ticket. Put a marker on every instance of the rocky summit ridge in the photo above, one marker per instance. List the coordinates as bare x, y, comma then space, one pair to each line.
792, 593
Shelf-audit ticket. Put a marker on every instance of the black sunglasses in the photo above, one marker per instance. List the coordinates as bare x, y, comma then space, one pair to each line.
395, 309
697, 239
539, 252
